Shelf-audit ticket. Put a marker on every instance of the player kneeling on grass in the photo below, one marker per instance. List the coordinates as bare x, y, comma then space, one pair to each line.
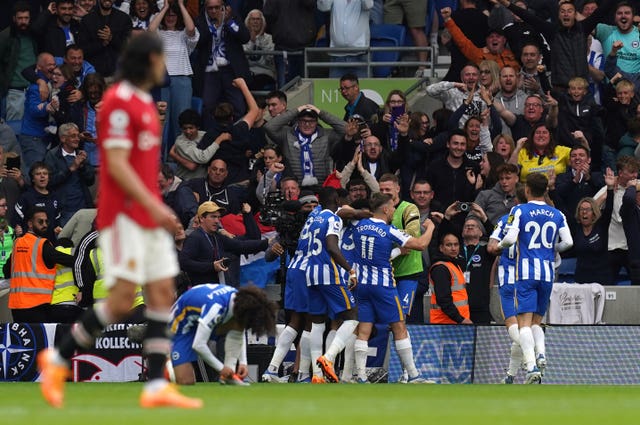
208, 311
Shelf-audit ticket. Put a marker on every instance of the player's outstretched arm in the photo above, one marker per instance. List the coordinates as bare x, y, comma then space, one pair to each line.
421, 243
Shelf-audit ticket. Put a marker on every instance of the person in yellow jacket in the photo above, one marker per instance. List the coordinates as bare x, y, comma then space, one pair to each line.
449, 300
33, 272
100, 293
64, 300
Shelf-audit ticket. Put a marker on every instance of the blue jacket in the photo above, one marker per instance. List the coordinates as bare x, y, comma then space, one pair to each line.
35, 117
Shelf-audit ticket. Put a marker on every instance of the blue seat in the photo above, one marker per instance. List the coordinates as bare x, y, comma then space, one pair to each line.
567, 270
196, 104
386, 35
16, 126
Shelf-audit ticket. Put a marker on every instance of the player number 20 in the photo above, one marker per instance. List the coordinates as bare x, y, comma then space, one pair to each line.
544, 236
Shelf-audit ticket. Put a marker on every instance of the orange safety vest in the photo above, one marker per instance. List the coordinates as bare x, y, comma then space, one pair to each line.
458, 293
31, 280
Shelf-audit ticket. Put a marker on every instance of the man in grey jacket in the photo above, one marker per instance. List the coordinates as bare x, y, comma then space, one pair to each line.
306, 145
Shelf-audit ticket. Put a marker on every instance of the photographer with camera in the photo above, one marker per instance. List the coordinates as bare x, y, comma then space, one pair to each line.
474, 260
204, 254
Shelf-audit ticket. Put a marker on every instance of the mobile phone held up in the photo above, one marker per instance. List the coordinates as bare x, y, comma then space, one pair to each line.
397, 111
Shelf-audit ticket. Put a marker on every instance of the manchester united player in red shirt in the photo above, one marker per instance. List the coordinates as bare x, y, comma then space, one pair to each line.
136, 228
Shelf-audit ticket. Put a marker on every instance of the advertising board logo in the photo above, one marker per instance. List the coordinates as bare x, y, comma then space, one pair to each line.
18, 349
126, 370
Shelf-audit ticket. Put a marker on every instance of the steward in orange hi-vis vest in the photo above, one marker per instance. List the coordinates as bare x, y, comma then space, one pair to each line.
458, 295
31, 280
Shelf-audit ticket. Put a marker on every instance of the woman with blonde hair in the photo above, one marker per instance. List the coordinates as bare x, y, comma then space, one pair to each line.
489, 76
591, 236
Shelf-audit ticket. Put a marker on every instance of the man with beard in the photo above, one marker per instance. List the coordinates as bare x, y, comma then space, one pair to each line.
103, 33
534, 113
510, 96
56, 28
17, 49
448, 175
624, 31
33, 270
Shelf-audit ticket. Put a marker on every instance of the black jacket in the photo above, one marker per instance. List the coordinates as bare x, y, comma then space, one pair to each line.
291, 23
51, 37
104, 58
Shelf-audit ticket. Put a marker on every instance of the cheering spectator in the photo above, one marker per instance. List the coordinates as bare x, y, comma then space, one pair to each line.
103, 32
179, 36
222, 58
263, 71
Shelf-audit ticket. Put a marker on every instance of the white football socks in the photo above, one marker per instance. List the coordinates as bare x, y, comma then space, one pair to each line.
317, 333
349, 358
283, 346
340, 339
538, 339
305, 355
360, 349
405, 352
527, 344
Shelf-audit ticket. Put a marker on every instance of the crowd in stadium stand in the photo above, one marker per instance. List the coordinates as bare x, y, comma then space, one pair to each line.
534, 86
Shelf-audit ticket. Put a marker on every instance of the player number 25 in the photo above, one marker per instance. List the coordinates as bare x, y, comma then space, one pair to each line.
315, 243
545, 235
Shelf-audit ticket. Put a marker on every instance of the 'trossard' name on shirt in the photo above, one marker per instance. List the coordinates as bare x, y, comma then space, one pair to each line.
374, 228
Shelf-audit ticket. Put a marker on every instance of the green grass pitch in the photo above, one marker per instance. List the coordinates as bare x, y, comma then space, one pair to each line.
334, 404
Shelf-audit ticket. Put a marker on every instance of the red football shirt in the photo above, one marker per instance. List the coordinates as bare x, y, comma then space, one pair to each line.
128, 119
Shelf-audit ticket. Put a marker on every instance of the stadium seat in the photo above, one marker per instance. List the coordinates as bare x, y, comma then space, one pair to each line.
385, 35
196, 104
16, 126
566, 271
